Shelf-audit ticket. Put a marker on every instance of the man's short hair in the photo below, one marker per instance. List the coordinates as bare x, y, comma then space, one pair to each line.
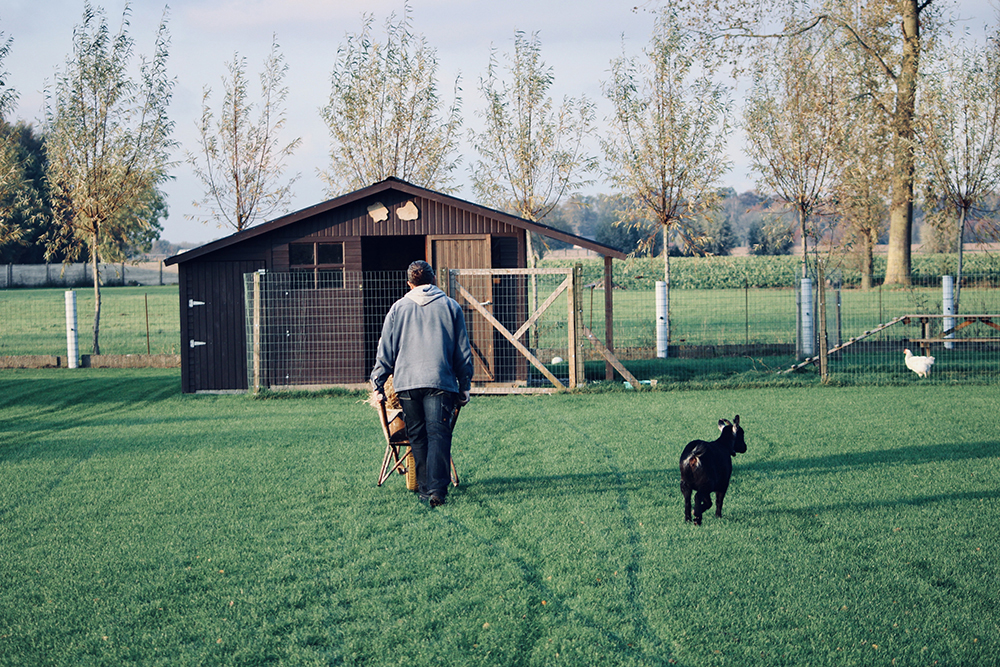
420, 273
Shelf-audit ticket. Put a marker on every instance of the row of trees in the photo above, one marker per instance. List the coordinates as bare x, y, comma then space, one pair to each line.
833, 94
857, 106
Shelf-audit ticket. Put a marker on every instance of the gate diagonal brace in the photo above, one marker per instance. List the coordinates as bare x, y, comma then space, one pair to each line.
612, 359
472, 301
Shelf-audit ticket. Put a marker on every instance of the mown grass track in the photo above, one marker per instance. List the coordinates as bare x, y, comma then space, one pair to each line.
142, 526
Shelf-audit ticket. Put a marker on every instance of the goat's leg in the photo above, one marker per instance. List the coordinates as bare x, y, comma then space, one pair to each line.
719, 495
702, 501
687, 503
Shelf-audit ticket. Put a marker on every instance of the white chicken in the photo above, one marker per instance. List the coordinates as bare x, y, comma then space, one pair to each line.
919, 365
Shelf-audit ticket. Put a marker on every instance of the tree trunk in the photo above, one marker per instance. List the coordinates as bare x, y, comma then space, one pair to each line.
961, 235
666, 278
97, 298
901, 210
867, 260
805, 246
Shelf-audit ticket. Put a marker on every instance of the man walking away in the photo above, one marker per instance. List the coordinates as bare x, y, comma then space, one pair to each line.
425, 347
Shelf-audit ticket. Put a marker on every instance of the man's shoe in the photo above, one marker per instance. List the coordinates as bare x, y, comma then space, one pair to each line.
436, 501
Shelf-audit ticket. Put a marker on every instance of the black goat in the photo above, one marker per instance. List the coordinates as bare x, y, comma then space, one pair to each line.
707, 466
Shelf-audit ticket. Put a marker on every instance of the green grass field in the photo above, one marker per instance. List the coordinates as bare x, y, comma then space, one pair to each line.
33, 321
140, 526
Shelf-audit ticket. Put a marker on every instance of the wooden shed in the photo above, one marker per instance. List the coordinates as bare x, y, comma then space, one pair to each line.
326, 248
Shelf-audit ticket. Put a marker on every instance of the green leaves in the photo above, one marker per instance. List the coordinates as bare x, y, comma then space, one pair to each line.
242, 159
385, 115
531, 153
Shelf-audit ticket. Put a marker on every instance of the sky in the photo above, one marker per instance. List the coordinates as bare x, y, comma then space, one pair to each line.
579, 39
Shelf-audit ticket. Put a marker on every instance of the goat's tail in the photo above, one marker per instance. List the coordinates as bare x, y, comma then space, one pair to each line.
693, 470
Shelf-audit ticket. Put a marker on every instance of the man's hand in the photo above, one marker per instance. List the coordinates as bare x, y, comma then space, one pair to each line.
379, 396
464, 398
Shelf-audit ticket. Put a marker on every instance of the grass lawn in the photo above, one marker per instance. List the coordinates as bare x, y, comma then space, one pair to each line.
139, 526
134, 320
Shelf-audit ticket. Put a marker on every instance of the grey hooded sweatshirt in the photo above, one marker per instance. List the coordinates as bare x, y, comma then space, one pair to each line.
424, 344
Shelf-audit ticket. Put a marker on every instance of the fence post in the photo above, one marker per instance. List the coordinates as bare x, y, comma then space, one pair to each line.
256, 331
609, 316
824, 368
840, 330
72, 341
661, 320
575, 320
808, 328
948, 306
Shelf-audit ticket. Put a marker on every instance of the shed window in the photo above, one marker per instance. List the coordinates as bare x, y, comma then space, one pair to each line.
321, 264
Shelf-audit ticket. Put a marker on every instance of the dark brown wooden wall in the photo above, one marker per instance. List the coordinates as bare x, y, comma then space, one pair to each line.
213, 324
216, 278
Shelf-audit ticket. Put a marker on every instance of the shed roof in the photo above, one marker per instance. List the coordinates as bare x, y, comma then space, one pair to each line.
398, 185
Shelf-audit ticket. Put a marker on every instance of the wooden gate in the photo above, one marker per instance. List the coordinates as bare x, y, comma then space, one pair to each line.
510, 315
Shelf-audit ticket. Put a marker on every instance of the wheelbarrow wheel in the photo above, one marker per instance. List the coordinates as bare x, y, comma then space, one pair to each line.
411, 472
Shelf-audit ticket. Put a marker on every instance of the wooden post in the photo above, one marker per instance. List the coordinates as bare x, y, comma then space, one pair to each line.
574, 322
609, 318
824, 368
256, 331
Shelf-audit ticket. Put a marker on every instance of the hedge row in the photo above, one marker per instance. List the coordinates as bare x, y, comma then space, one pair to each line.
770, 271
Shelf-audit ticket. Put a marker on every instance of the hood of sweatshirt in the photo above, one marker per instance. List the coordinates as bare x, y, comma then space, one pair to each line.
424, 294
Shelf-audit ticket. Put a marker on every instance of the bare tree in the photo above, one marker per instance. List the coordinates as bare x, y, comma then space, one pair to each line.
892, 34
385, 115
861, 189
242, 161
666, 142
531, 154
792, 125
108, 141
961, 131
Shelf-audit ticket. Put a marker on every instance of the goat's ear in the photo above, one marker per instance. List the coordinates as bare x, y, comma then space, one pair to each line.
722, 424
736, 421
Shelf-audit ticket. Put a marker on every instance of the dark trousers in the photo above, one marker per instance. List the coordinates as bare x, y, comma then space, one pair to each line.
428, 416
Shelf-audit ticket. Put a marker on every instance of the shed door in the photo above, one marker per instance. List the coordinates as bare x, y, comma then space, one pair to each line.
214, 352
471, 252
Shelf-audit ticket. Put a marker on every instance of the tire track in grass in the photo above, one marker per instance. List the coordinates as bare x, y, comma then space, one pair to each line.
535, 579
628, 521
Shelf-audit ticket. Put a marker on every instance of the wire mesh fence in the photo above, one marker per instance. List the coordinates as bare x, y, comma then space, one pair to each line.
324, 329
315, 329
717, 334
134, 320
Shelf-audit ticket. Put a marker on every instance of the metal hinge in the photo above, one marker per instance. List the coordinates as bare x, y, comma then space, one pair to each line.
196, 343
192, 303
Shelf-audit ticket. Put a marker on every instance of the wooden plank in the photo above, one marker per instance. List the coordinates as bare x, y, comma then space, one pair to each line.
514, 272
955, 340
864, 335
573, 330
611, 358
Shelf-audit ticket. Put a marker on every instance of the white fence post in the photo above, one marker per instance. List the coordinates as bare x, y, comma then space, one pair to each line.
72, 342
948, 306
662, 333
808, 323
